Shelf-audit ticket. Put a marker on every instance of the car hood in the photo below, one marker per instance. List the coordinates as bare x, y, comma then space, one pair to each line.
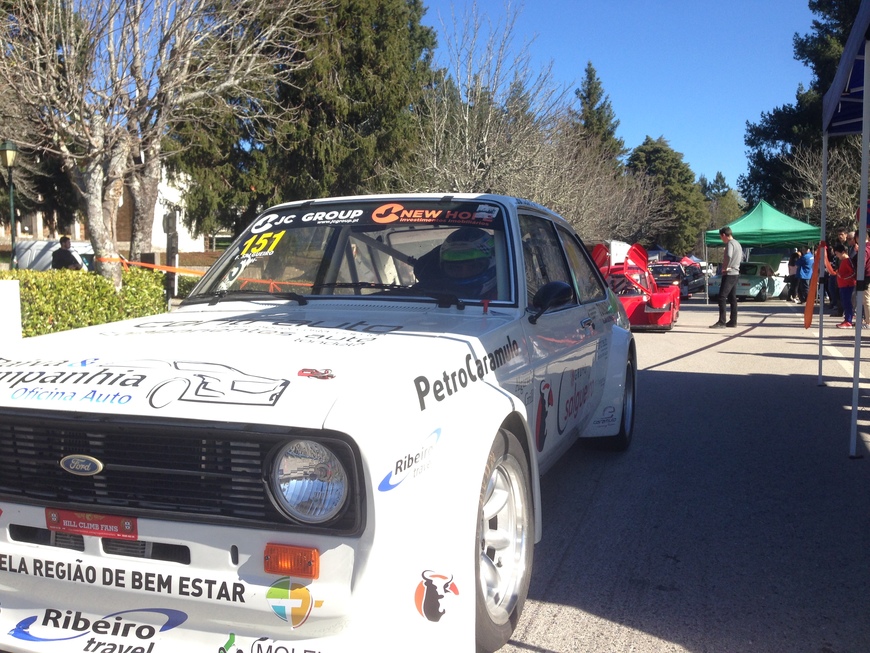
252, 362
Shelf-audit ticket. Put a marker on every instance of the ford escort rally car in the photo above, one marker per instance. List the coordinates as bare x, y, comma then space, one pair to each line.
334, 444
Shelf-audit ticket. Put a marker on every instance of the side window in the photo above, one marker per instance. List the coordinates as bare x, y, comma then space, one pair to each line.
587, 282
542, 255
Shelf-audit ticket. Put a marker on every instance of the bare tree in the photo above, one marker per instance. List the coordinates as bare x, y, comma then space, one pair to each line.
100, 82
578, 179
844, 174
491, 123
483, 117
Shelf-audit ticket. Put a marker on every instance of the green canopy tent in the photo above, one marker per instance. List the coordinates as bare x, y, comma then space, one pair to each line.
764, 225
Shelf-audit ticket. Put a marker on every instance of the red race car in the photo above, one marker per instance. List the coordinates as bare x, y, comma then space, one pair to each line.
648, 305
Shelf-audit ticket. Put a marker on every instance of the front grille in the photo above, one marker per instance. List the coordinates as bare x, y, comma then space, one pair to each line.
167, 469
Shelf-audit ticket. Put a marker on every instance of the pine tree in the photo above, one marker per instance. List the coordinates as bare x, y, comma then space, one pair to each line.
656, 158
597, 117
350, 111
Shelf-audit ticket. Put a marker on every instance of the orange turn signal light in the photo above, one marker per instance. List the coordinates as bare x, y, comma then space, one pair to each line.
286, 560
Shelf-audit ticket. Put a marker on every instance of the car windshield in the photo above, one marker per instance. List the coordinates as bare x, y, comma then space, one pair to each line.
665, 270
444, 250
748, 268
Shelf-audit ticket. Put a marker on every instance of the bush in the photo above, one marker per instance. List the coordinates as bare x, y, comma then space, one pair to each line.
58, 300
186, 284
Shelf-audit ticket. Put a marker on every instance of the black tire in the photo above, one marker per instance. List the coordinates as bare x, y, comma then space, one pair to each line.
762, 293
505, 542
622, 440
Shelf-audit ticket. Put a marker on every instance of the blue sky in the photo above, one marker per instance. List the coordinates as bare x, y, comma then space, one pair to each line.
693, 71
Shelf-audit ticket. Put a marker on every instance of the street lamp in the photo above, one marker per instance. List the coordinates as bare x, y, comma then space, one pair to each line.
8, 152
808, 202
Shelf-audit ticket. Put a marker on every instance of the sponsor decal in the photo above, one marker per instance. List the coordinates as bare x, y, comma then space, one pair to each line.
291, 601
391, 212
608, 417
412, 464
86, 523
215, 383
56, 625
575, 390
545, 402
201, 382
272, 220
324, 332
263, 645
453, 381
152, 582
69, 385
430, 592
316, 374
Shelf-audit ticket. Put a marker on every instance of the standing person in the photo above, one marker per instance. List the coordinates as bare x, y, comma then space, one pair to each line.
730, 271
805, 273
831, 281
792, 276
865, 318
65, 258
846, 283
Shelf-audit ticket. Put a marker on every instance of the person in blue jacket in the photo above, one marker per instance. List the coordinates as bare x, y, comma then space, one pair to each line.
805, 272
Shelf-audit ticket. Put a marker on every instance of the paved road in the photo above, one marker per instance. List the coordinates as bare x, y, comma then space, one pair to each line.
735, 523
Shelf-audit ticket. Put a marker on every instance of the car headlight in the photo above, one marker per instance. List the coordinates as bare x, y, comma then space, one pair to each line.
309, 482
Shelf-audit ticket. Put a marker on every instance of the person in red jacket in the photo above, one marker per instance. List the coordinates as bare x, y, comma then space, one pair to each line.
846, 284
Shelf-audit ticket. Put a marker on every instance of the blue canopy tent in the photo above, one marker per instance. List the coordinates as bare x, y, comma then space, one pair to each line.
845, 112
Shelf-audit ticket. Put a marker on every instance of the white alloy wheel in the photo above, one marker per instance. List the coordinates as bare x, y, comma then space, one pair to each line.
505, 542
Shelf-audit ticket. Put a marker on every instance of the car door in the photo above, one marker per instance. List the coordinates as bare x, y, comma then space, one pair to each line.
564, 341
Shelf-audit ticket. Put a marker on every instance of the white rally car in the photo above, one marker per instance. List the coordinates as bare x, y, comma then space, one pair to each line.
333, 445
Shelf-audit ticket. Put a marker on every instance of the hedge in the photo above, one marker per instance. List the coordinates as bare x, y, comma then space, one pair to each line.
57, 300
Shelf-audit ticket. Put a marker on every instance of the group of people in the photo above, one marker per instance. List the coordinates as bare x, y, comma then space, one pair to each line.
840, 287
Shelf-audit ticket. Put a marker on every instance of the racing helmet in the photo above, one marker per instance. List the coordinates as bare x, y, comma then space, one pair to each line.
468, 262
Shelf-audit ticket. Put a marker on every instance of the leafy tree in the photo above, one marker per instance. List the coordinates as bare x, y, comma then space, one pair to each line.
723, 203
674, 177
772, 140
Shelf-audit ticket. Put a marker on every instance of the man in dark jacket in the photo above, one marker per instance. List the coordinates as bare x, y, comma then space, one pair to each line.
65, 258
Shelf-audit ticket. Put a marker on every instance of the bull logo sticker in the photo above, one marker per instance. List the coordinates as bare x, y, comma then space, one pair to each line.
291, 601
431, 592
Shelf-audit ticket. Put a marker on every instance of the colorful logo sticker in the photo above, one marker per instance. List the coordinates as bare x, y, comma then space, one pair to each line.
430, 592
291, 601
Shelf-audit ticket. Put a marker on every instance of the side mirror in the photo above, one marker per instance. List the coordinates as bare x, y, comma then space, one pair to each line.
550, 295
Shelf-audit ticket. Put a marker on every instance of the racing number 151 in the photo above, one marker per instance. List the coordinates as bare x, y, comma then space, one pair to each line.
256, 244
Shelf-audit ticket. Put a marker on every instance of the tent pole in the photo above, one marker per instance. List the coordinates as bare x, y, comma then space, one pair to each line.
824, 231
862, 257
706, 276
